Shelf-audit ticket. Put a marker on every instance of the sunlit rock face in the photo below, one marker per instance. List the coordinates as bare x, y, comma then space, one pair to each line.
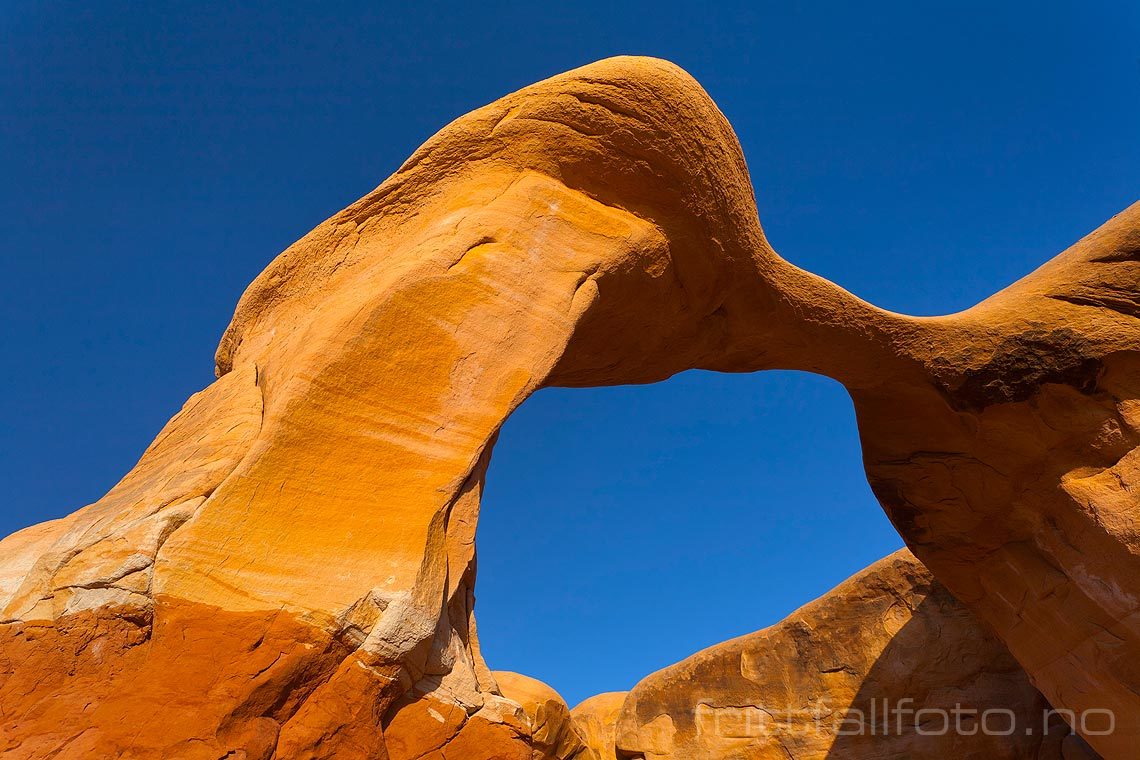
289, 569
595, 721
888, 664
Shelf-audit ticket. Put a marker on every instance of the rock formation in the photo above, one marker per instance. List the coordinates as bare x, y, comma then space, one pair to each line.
1010, 466
290, 566
888, 664
595, 721
529, 721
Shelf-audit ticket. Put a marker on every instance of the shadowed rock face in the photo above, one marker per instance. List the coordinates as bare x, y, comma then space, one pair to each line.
300, 537
1011, 471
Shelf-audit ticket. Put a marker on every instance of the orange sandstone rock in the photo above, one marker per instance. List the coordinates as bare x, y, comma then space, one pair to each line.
596, 719
528, 721
331, 476
887, 665
185, 681
1009, 465
593, 229
428, 728
552, 733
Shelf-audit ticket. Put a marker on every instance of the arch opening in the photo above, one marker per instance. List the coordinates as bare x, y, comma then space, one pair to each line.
624, 528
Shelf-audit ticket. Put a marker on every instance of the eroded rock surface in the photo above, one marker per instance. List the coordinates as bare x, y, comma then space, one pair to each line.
1011, 468
887, 665
290, 565
527, 721
596, 722
553, 735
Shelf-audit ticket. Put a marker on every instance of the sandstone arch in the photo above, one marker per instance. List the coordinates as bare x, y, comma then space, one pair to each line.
305, 524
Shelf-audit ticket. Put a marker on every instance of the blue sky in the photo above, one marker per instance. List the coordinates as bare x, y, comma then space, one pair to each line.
156, 156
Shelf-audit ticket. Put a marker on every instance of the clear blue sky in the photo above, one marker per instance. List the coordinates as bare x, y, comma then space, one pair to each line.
155, 156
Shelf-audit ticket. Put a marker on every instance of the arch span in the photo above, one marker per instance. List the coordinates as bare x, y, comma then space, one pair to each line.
595, 228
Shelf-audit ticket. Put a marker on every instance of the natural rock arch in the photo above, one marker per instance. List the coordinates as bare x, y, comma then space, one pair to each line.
595, 228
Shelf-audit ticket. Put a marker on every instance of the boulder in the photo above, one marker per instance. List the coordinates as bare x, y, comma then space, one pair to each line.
596, 721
